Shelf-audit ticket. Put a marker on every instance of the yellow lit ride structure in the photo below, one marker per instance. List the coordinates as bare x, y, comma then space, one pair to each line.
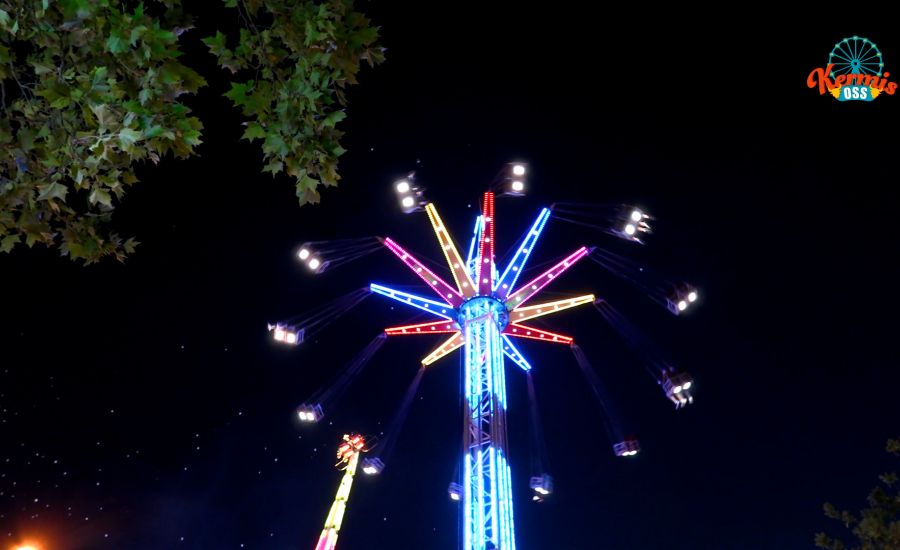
348, 458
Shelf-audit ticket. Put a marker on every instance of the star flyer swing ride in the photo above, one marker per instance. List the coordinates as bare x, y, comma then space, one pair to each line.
484, 312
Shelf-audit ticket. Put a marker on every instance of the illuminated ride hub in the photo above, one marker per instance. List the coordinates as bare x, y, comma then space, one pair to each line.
348, 460
677, 386
627, 447
482, 312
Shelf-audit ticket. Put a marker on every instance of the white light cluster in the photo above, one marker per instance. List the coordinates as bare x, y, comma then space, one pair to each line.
312, 259
682, 299
632, 223
310, 413
627, 447
287, 334
372, 466
677, 386
455, 491
542, 486
515, 179
410, 196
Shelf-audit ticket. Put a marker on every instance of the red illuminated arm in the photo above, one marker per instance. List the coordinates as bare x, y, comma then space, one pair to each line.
445, 291
435, 327
524, 331
485, 270
531, 288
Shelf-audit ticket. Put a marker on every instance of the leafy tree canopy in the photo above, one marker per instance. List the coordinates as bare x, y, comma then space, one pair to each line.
876, 527
89, 88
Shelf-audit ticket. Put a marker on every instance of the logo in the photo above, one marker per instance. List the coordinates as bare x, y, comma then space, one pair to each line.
855, 72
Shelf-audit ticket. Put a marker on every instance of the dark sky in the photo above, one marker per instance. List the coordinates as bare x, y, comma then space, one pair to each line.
143, 406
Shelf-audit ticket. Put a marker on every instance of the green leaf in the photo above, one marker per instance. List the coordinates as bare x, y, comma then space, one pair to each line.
275, 144
130, 245
238, 93
8, 242
100, 196
52, 191
192, 137
273, 167
254, 131
153, 131
128, 137
41, 68
115, 44
165, 36
334, 117
136, 34
60, 102
101, 112
216, 43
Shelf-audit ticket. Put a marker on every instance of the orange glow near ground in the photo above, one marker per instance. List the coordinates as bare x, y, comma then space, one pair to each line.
27, 546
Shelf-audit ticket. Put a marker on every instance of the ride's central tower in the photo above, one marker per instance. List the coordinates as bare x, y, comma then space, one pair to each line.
487, 489
482, 312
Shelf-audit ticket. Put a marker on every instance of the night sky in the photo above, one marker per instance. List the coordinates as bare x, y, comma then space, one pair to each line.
144, 406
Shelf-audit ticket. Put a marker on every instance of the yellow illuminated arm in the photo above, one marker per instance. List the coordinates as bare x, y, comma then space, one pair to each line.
454, 342
451, 254
525, 313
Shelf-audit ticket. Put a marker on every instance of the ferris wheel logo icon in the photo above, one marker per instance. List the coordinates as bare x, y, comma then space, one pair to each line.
855, 72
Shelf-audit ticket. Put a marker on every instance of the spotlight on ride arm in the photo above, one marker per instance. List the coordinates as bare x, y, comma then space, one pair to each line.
682, 299
677, 386
631, 223
372, 466
287, 334
542, 485
627, 447
455, 491
310, 412
410, 196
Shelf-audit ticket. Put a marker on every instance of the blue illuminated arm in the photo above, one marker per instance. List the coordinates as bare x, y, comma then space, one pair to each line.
441, 309
476, 236
507, 280
510, 351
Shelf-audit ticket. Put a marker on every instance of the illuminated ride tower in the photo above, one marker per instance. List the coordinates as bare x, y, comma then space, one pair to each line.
348, 456
482, 313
